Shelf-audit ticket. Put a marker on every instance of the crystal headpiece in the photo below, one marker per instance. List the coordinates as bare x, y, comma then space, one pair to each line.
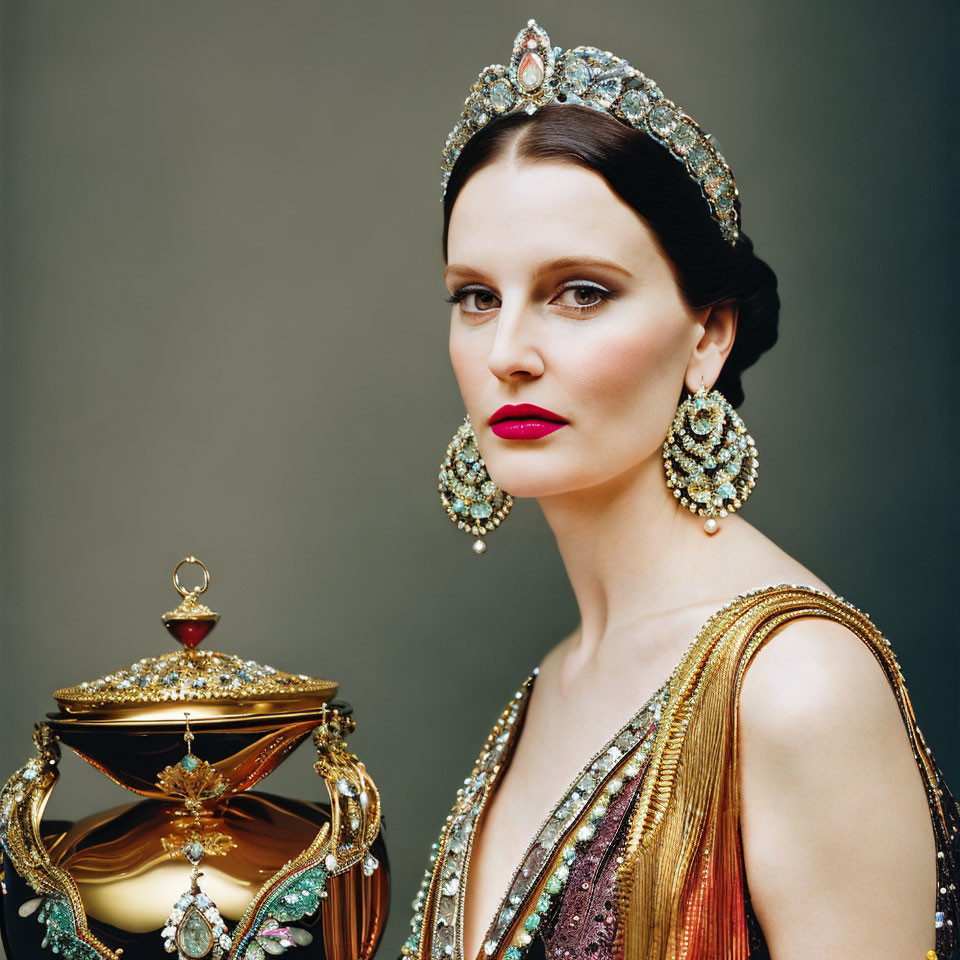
539, 74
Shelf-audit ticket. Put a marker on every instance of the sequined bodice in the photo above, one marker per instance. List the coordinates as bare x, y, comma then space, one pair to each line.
560, 858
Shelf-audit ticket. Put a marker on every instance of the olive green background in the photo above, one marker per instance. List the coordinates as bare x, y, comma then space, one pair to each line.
224, 334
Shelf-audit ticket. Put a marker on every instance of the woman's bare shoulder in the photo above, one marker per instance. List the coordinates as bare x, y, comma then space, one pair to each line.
815, 672
831, 793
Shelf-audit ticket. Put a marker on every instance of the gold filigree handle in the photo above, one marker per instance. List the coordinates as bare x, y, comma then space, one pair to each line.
22, 800
354, 798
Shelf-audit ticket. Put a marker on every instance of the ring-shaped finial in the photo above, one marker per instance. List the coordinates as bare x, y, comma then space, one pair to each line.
197, 590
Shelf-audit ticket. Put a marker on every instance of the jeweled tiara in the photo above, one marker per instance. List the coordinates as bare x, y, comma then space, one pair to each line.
539, 74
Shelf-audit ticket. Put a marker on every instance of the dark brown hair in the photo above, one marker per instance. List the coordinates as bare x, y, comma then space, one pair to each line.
647, 177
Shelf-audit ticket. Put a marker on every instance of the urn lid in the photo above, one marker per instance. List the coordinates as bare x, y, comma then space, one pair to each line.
209, 684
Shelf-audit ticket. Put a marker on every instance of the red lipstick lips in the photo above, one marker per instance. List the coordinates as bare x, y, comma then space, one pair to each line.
525, 421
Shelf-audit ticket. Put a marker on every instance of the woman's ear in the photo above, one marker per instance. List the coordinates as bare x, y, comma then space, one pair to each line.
719, 329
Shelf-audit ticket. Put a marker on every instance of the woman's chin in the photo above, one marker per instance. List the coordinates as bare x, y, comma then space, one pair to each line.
524, 484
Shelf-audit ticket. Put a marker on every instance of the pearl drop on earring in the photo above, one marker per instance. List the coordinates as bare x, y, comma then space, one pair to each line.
471, 499
709, 458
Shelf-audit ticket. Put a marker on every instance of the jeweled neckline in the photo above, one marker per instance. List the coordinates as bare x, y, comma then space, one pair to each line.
581, 800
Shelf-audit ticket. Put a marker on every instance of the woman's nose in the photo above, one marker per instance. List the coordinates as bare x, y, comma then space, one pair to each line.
514, 354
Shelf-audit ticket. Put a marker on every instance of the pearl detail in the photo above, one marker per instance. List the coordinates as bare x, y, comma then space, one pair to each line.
710, 525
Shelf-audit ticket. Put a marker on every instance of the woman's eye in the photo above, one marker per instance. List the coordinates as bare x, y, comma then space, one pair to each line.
475, 301
481, 300
582, 295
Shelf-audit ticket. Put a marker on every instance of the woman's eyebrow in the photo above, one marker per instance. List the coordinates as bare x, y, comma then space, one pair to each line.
455, 269
550, 266
563, 263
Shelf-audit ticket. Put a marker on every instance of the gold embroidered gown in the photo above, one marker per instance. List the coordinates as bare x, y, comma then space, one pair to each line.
641, 857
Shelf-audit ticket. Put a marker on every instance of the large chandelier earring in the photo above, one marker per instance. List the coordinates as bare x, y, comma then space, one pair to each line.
709, 458
472, 500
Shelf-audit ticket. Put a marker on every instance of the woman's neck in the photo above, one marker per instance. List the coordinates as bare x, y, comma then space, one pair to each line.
631, 551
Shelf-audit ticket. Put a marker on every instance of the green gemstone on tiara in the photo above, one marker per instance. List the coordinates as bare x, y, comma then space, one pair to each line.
634, 105
662, 121
698, 159
684, 137
723, 205
501, 96
576, 76
540, 74
478, 113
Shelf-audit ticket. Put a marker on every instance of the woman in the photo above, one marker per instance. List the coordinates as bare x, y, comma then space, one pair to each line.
598, 277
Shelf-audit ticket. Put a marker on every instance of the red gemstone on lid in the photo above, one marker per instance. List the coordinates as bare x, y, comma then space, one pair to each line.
190, 632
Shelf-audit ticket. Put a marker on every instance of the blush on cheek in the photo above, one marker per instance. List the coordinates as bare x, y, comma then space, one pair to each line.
617, 372
468, 365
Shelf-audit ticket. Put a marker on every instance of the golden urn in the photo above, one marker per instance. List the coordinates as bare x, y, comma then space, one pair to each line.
203, 866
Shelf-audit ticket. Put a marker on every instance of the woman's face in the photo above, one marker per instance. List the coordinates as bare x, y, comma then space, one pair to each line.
564, 300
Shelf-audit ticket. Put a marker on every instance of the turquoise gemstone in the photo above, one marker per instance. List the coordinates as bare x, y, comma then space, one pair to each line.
512, 953
597, 813
543, 904
60, 916
607, 90
194, 936
632, 105
532, 922
501, 96
194, 851
576, 76
478, 114
554, 885
684, 137
699, 159
458, 505
189, 762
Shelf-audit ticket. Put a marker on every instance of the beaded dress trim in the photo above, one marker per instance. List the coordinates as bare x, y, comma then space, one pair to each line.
540, 879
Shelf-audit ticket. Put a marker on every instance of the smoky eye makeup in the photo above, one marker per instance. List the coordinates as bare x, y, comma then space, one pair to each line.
484, 299
583, 296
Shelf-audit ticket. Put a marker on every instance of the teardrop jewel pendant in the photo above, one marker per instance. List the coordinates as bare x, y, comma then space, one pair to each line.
709, 458
195, 928
472, 500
